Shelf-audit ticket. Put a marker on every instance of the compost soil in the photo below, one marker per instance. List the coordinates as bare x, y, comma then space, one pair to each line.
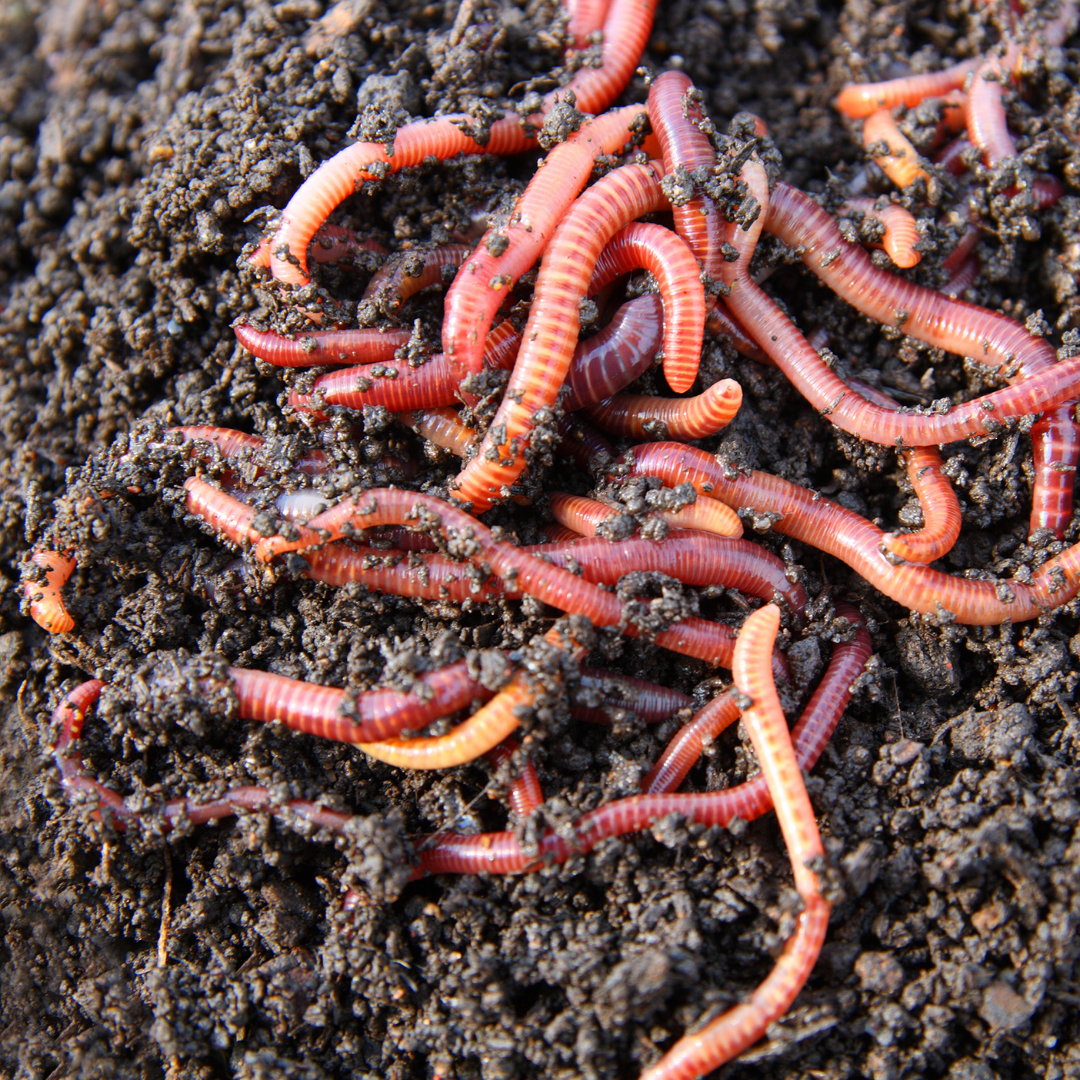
143, 148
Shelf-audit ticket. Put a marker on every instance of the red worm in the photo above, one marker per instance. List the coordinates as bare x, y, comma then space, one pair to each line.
525, 794
682, 753
672, 263
857, 100
353, 718
901, 233
901, 162
987, 124
626, 30
409, 272
486, 277
551, 332
583, 444
324, 347
963, 277
720, 323
443, 428
940, 507
331, 244
617, 355
583, 515
232, 444
70, 715
1029, 362
695, 1055
46, 604
951, 156
648, 701
586, 17
922, 313
639, 416
807, 517
395, 384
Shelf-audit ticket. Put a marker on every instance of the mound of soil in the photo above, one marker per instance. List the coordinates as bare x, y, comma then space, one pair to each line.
143, 147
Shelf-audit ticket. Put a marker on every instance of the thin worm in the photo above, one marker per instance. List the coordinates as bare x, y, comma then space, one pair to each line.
324, 347
901, 233
900, 163
46, 603
647, 700
409, 272
504, 255
583, 444
721, 323
640, 416
551, 332
963, 277
525, 794
672, 263
987, 124
583, 515
330, 244
831, 528
940, 507
695, 1055
682, 753
858, 100
626, 30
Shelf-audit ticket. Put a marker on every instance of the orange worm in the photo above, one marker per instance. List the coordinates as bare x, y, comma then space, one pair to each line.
672, 263
900, 162
583, 515
443, 428
46, 604
551, 333
330, 244
858, 100
695, 1055
901, 234
640, 416
806, 516
626, 30
940, 507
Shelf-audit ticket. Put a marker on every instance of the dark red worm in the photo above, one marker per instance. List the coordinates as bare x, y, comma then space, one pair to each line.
648, 701
831, 528
963, 277
583, 444
626, 30
672, 263
525, 794
1030, 363
940, 507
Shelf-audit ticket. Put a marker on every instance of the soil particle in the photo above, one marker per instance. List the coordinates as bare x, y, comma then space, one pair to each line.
144, 148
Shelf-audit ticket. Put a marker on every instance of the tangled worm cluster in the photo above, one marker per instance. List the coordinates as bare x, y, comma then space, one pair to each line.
660, 158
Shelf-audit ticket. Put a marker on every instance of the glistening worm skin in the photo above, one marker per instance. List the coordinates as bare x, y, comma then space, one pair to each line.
901, 163
901, 233
987, 124
324, 347
331, 244
394, 384
551, 332
671, 262
649, 701
940, 507
837, 531
948, 324
625, 31
858, 100
525, 794
584, 515
639, 416
682, 753
409, 272
502, 256
699, 1053
443, 428
46, 604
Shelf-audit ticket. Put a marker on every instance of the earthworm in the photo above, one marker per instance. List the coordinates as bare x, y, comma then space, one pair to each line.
922, 313
626, 30
963, 277
409, 272
647, 700
330, 244
987, 124
224, 513
901, 234
806, 516
667, 257
551, 332
681, 754
940, 507
70, 715
901, 161
525, 793
1030, 363
503, 255
442, 427
858, 100
586, 17
964, 247
695, 1055
640, 416
46, 604
951, 156
363, 346
677, 120
583, 444
617, 355
367, 716
395, 384
721, 323
583, 515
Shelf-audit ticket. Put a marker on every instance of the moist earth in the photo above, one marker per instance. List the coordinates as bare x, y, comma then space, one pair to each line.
143, 148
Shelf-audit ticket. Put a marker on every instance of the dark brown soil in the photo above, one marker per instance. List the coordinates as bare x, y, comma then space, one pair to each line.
142, 146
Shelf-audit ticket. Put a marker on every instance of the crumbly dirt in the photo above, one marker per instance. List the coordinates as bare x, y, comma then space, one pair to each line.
143, 145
